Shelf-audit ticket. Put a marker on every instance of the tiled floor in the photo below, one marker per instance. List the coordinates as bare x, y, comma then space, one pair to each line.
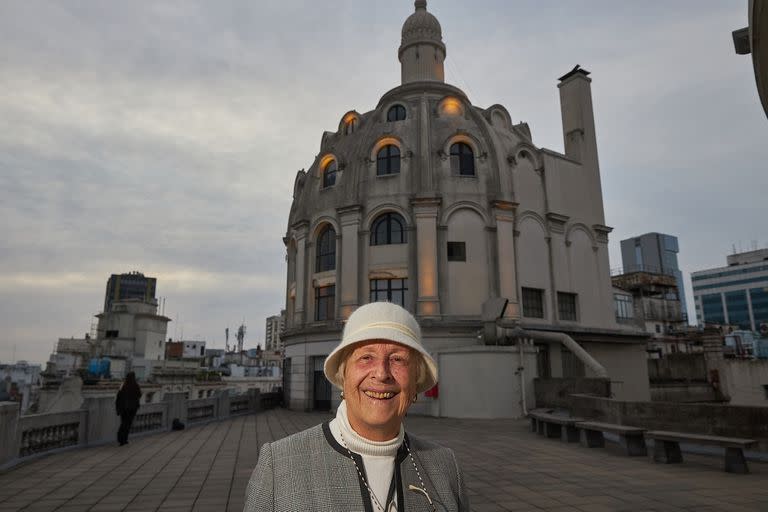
506, 467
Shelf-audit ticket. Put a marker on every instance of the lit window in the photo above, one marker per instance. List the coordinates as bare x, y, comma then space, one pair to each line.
462, 159
325, 303
396, 113
388, 228
533, 303
457, 251
566, 306
388, 160
389, 290
329, 174
326, 250
350, 125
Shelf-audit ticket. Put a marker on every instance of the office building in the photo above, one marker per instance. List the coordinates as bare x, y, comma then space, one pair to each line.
735, 295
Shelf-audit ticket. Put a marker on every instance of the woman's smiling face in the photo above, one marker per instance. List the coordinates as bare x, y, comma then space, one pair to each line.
379, 386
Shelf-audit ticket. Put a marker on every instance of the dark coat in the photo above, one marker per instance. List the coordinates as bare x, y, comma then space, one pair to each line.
128, 398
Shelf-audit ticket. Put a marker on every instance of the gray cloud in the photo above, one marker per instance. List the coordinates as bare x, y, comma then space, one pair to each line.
164, 137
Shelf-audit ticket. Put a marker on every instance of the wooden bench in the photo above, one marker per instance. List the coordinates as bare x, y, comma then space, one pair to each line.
552, 425
667, 448
630, 438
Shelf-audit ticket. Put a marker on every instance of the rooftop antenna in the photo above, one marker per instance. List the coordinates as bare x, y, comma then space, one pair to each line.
240, 337
733, 246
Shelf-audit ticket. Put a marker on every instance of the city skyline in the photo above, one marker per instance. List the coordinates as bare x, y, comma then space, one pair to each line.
165, 139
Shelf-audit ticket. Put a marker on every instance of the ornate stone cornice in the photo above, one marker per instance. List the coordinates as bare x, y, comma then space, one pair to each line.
557, 222
601, 232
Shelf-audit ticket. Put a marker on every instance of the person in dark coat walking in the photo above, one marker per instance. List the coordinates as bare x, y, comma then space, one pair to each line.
127, 403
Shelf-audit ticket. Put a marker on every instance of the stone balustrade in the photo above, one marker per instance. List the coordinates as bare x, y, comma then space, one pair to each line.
96, 422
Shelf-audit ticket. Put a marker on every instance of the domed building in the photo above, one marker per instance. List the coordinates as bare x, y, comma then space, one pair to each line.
498, 247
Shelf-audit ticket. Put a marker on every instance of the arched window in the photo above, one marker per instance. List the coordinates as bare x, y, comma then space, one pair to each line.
396, 113
462, 159
326, 250
388, 160
388, 228
329, 174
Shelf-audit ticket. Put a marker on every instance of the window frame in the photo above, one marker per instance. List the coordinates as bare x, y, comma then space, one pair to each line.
389, 218
571, 310
325, 295
391, 286
385, 165
330, 173
461, 153
325, 240
529, 311
398, 110
461, 256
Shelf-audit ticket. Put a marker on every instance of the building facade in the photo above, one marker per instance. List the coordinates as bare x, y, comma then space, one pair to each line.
734, 295
753, 39
655, 253
133, 285
274, 326
441, 206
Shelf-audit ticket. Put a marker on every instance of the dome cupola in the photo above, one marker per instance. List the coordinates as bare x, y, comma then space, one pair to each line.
422, 51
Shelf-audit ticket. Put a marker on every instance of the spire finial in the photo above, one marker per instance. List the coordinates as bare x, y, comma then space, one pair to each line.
420, 4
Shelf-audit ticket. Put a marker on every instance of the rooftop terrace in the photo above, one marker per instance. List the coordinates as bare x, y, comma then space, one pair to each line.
206, 468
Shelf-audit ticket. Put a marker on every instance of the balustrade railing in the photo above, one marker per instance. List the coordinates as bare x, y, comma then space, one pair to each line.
41, 433
44, 432
202, 409
238, 405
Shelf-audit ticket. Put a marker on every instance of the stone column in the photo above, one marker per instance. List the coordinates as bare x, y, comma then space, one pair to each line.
504, 213
428, 297
301, 276
9, 421
347, 284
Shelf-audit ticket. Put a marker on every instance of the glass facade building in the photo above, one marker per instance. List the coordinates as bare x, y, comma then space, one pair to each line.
734, 295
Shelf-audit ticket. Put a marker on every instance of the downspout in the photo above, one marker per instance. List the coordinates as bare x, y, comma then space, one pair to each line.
522, 376
563, 338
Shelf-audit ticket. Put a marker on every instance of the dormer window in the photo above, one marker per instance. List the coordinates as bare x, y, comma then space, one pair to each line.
350, 125
388, 160
396, 113
329, 174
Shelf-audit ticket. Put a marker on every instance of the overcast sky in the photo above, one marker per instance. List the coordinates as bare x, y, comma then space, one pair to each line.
164, 137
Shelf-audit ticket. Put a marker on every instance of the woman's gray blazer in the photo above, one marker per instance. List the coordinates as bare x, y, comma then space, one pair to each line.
311, 471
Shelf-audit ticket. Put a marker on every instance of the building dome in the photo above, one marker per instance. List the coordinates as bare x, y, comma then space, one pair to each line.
421, 26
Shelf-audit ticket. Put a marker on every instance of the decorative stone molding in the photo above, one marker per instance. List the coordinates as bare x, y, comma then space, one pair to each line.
602, 232
557, 222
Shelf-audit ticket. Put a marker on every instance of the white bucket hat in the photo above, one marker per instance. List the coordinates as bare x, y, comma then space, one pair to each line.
382, 321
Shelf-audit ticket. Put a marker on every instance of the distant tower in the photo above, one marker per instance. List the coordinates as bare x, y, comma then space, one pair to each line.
240, 337
655, 253
133, 285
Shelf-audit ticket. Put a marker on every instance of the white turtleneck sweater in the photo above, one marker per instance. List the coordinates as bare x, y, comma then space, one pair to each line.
378, 456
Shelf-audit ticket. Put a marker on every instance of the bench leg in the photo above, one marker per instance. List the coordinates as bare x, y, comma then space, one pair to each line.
592, 438
533, 424
735, 461
634, 445
667, 452
552, 430
570, 434
540, 427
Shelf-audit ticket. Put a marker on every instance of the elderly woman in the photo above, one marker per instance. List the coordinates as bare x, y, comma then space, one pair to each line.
363, 459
